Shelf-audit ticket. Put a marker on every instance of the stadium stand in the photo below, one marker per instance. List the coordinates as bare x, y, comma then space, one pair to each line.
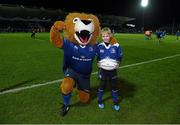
170, 28
18, 18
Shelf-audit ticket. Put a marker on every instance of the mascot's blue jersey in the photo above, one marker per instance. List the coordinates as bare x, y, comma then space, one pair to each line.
111, 51
79, 58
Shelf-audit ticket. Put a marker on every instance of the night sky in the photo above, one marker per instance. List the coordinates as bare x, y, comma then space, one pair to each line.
158, 12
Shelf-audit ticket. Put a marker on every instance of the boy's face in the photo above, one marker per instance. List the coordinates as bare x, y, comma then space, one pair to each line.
106, 37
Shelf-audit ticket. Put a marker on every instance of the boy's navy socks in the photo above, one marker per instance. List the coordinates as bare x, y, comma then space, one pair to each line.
100, 94
115, 96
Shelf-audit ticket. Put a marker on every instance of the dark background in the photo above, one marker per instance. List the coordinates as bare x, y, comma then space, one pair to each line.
156, 14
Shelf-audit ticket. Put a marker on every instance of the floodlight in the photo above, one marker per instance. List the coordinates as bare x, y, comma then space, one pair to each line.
144, 3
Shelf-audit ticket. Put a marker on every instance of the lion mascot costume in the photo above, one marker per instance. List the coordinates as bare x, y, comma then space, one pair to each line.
80, 32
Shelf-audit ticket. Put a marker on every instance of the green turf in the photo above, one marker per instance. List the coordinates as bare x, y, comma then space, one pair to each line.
149, 93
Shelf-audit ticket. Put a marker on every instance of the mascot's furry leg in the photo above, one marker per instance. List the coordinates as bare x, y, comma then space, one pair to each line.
66, 88
84, 96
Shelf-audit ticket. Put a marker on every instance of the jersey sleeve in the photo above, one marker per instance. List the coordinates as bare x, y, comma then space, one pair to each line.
119, 53
97, 50
65, 44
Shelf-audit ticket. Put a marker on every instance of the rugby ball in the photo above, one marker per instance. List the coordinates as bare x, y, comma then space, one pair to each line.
108, 64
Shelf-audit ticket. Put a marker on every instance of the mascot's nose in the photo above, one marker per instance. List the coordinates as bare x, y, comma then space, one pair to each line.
86, 22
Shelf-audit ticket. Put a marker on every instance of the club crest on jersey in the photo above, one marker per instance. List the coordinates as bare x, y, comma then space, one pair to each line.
75, 47
90, 49
101, 51
113, 50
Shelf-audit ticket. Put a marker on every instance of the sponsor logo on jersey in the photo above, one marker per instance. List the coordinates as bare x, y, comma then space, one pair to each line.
75, 47
90, 49
82, 57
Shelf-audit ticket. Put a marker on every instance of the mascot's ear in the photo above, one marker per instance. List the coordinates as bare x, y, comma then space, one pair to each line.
113, 41
59, 25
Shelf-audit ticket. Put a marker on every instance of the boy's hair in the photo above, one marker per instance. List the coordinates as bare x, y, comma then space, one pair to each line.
106, 30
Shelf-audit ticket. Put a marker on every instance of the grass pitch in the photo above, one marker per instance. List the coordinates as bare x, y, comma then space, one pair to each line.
149, 92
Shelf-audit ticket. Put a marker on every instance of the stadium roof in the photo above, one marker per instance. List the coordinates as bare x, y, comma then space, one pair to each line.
23, 13
26, 12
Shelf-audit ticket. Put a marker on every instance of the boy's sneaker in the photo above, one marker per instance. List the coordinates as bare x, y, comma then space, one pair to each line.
101, 105
116, 107
64, 110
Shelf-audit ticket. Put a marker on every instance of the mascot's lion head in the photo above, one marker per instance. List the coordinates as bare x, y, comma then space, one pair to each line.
81, 28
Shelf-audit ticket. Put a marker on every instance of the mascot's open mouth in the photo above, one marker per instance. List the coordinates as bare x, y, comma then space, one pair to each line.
83, 36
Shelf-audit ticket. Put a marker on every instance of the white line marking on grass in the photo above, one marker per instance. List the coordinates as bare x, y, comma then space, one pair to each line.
59, 80
29, 87
41, 39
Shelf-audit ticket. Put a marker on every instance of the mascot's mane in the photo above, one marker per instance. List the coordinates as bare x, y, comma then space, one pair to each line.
70, 26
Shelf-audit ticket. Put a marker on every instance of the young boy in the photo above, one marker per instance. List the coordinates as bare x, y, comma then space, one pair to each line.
112, 54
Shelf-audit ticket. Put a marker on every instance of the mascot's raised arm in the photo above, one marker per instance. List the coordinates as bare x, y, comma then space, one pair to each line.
54, 34
80, 32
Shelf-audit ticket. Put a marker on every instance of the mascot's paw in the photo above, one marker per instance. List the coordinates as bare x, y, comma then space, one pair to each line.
59, 25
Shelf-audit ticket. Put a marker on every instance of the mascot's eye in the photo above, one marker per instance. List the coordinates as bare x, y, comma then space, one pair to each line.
75, 20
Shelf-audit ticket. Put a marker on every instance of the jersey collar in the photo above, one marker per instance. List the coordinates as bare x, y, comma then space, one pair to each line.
82, 46
107, 47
